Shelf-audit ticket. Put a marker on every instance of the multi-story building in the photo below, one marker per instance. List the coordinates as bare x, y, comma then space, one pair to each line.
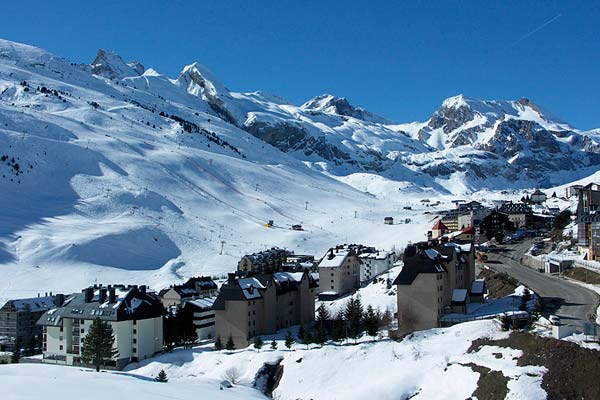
264, 262
588, 221
299, 263
339, 272
262, 304
537, 197
375, 263
194, 288
495, 223
434, 280
201, 315
136, 318
518, 213
18, 320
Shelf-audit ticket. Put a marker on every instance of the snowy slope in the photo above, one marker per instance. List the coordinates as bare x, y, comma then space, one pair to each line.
139, 180
417, 366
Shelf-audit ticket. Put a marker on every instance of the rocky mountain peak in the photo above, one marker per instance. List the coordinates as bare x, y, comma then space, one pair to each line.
110, 65
330, 104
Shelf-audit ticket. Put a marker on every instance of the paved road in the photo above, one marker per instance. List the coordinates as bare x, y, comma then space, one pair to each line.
577, 304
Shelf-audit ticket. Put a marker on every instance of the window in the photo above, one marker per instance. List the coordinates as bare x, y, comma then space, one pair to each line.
332, 274
61, 328
134, 350
331, 287
82, 321
134, 331
60, 338
134, 322
83, 331
134, 340
60, 347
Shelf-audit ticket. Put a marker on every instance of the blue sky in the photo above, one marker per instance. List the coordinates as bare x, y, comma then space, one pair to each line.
399, 59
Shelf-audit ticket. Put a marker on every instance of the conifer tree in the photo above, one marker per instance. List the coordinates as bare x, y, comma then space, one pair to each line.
162, 377
230, 345
273, 345
16, 355
289, 340
258, 342
371, 321
354, 315
218, 344
323, 319
308, 339
98, 345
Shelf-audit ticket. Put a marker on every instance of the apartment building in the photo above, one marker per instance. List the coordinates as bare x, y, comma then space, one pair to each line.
519, 214
135, 315
194, 288
264, 262
375, 263
588, 221
339, 272
263, 304
18, 320
435, 280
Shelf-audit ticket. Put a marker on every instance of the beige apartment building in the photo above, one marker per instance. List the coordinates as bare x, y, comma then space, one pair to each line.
339, 272
435, 280
263, 304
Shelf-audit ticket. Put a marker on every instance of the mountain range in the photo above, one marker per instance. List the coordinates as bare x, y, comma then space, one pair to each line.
113, 164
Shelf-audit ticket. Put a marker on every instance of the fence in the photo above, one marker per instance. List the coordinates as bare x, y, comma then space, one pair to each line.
594, 265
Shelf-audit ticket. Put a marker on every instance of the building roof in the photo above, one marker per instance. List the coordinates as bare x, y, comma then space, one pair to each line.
515, 208
205, 303
334, 258
478, 287
419, 261
33, 304
439, 225
459, 296
130, 302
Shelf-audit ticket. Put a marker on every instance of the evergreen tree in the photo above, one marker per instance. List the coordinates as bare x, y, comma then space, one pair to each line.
301, 332
354, 317
338, 332
98, 345
218, 344
289, 340
320, 336
386, 319
230, 345
371, 321
16, 355
273, 345
323, 318
162, 377
258, 342
308, 339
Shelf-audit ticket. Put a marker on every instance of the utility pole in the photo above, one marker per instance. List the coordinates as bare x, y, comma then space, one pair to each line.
222, 244
306, 205
355, 214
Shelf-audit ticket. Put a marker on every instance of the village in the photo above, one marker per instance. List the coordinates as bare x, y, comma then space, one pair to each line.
316, 298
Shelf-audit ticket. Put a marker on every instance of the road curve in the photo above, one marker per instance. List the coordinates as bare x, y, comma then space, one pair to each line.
577, 304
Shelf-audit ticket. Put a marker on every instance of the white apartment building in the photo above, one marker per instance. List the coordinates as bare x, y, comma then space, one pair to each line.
136, 318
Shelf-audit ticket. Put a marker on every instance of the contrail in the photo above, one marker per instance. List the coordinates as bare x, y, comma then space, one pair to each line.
539, 28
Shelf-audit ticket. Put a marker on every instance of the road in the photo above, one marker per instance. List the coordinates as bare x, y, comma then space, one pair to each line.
576, 304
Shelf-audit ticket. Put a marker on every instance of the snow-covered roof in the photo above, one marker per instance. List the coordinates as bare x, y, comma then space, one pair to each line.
379, 255
34, 304
336, 261
205, 302
250, 287
288, 276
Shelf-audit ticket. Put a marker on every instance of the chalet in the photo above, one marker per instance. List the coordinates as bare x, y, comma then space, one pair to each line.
262, 305
433, 281
375, 263
264, 262
388, 220
18, 319
465, 235
339, 272
135, 315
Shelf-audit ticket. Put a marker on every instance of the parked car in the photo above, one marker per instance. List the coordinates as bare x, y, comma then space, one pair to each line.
554, 320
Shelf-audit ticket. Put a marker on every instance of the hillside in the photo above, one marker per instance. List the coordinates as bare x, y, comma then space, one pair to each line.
114, 172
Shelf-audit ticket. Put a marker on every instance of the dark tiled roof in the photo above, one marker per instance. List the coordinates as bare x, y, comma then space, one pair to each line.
129, 303
420, 263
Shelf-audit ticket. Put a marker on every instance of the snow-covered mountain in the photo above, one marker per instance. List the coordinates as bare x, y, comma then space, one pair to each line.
142, 178
115, 172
